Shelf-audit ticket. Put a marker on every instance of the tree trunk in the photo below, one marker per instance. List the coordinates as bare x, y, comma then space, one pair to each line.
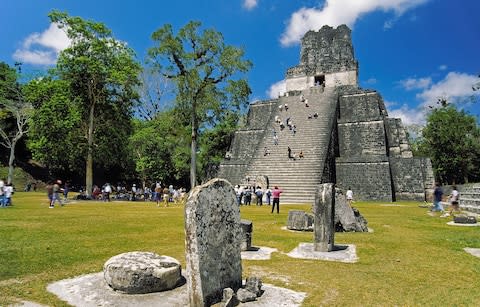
193, 162
89, 162
10, 162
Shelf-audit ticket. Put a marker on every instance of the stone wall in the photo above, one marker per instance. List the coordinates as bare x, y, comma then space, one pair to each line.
408, 178
259, 114
369, 178
362, 138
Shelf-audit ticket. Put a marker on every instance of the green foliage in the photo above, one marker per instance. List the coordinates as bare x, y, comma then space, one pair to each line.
204, 70
451, 139
55, 136
102, 75
160, 148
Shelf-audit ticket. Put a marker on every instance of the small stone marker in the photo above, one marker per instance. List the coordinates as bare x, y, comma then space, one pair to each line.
324, 212
142, 272
464, 219
212, 242
247, 228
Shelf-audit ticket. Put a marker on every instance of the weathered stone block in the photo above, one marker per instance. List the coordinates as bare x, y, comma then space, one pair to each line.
464, 219
254, 285
324, 212
247, 228
244, 296
299, 220
212, 240
347, 218
142, 272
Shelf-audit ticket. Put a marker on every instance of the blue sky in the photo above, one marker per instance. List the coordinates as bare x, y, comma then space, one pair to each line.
411, 51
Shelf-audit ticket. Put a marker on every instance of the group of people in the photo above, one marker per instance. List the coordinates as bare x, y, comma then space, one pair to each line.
245, 193
156, 192
453, 199
294, 156
6, 192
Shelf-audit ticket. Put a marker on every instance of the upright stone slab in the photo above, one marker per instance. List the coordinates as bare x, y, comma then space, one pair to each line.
247, 228
347, 218
324, 212
212, 242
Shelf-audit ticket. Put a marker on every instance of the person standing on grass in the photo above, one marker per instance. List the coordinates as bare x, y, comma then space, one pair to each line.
349, 195
437, 198
55, 194
8, 192
2, 193
276, 198
454, 197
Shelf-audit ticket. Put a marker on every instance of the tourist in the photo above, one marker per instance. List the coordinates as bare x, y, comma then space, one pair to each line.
248, 195
55, 197
275, 139
241, 193
300, 155
277, 119
107, 190
315, 115
289, 152
302, 98
134, 192
2, 193
349, 196
166, 192
276, 198
66, 189
286, 107
437, 198
453, 198
309, 116
268, 194
259, 194
280, 107
306, 103
294, 129
158, 194
266, 151
8, 192
282, 126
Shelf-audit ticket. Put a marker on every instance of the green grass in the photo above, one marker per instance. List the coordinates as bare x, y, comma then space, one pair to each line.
411, 259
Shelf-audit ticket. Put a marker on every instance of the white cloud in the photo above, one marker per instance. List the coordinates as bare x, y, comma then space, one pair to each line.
442, 67
250, 4
371, 81
337, 12
409, 116
277, 89
42, 48
454, 87
416, 84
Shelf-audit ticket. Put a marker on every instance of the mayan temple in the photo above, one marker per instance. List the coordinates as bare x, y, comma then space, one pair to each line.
343, 131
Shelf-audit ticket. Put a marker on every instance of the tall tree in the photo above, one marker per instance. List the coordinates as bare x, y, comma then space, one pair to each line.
14, 113
451, 139
103, 75
203, 68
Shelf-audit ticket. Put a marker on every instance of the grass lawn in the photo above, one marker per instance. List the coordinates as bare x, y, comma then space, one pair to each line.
411, 258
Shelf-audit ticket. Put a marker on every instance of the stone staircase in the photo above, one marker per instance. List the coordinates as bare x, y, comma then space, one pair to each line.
470, 199
298, 178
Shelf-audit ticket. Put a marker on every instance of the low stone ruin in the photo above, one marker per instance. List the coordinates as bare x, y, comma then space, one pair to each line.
347, 219
464, 219
142, 272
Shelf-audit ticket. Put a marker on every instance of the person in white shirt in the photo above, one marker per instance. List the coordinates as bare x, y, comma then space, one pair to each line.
8, 191
349, 196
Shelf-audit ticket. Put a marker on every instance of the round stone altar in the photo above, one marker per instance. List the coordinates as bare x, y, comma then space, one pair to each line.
142, 272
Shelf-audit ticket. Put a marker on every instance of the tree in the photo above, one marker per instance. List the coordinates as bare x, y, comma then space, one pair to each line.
103, 75
160, 148
203, 68
55, 135
15, 112
451, 139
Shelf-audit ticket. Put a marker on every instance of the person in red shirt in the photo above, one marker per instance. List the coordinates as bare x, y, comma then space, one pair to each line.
276, 198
